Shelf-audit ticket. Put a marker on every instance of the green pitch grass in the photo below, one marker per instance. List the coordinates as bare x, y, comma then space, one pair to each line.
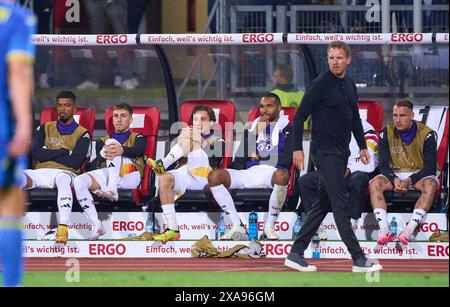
232, 279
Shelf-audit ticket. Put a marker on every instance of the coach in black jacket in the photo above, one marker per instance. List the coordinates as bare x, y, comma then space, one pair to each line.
332, 102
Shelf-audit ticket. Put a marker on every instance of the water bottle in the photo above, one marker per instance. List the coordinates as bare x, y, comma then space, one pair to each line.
149, 223
316, 246
393, 226
220, 227
297, 226
253, 226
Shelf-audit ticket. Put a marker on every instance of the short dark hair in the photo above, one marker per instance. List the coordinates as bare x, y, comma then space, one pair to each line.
404, 102
66, 94
340, 45
204, 107
123, 106
274, 96
285, 71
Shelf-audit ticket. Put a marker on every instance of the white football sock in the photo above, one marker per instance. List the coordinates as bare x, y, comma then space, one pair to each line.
225, 201
173, 156
113, 167
381, 217
65, 199
276, 201
416, 219
81, 185
170, 216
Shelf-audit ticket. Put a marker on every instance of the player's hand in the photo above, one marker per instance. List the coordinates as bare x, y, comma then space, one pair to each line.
197, 134
254, 156
364, 156
298, 158
405, 184
399, 186
186, 132
20, 143
114, 150
262, 123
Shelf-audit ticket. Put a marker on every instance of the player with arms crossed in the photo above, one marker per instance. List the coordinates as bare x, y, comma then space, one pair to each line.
59, 149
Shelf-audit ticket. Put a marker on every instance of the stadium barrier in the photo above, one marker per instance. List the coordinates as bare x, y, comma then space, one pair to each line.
238, 39
182, 249
194, 225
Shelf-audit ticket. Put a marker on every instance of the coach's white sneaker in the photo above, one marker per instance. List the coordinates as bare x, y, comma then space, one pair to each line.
364, 265
298, 262
270, 233
239, 230
97, 232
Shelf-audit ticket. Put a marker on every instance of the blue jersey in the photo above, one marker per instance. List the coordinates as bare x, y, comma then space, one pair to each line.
16, 27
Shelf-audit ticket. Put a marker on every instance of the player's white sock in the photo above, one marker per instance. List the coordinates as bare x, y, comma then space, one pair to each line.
170, 215
65, 200
381, 217
416, 219
113, 167
225, 201
173, 156
276, 201
81, 185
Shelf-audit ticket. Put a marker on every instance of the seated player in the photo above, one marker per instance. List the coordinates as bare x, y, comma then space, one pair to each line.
263, 160
59, 149
357, 177
408, 160
121, 159
197, 152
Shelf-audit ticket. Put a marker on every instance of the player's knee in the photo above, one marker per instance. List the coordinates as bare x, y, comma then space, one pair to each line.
63, 179
166, 180
79, 182
215, 177
376, 185
429, 187
280, 177
111, 141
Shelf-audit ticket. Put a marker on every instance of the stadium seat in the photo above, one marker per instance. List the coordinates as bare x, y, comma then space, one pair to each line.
437, 118
225, 115
83, 116
146, 122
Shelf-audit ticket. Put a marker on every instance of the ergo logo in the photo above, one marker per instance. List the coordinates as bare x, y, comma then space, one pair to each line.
127, 226
112, 39
406, 37
258, 38
107, 249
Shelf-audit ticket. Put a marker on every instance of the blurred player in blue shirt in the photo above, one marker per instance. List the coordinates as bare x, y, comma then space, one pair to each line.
16, 85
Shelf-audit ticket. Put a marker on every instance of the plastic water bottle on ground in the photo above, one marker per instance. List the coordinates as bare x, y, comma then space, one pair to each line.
393, 226
316, 246
297, 226
149, 223
220, 227
253, 226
